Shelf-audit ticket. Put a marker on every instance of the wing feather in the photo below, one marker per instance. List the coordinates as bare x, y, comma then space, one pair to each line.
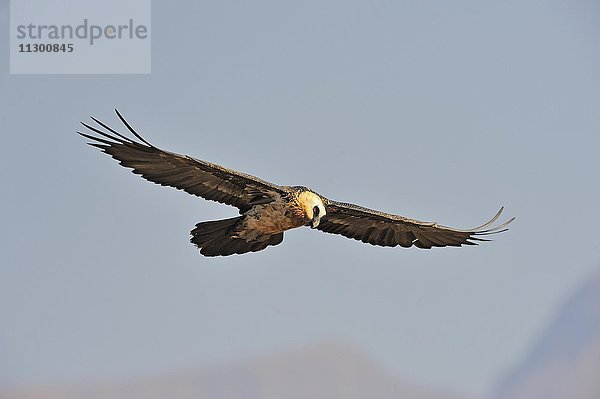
384, 229
194, 176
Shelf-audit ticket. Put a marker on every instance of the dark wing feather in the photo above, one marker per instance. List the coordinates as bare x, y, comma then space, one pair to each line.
384, 229
194, 176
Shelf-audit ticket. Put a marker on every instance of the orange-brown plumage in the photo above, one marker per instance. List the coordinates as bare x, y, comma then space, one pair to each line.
267, 210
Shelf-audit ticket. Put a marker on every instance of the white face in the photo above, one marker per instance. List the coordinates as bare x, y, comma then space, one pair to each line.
313, 207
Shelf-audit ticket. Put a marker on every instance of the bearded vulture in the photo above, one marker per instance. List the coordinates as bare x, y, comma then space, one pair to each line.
266, 209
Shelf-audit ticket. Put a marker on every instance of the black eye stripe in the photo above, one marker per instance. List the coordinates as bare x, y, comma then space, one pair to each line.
316, 211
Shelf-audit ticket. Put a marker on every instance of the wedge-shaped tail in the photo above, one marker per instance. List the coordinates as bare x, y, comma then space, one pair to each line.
218, 238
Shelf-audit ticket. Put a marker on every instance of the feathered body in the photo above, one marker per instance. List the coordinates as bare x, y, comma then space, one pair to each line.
268, 210
260, 226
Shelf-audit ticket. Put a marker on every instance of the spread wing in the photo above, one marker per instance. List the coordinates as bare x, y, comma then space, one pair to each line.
384, 229
204, 179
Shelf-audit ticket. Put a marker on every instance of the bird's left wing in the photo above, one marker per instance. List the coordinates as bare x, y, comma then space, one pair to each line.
384, 229
194, 176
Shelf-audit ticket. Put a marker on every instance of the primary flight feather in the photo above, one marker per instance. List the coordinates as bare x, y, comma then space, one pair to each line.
266, 209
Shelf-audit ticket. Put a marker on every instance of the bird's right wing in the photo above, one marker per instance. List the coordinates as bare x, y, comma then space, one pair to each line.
204, 179
384, 229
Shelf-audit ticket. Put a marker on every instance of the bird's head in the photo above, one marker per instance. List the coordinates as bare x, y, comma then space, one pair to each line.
313, 207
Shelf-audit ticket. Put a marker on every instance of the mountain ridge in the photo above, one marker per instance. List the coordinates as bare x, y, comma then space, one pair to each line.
565, 360
326, 369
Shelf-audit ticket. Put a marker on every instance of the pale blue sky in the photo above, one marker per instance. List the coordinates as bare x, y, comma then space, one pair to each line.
435, 110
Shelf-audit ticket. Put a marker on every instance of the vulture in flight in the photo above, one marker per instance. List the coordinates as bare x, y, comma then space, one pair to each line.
266, 209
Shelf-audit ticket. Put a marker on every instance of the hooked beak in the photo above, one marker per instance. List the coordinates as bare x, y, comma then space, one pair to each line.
315, 222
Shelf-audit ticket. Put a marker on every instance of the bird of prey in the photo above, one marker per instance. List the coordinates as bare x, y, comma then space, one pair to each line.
266, 209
